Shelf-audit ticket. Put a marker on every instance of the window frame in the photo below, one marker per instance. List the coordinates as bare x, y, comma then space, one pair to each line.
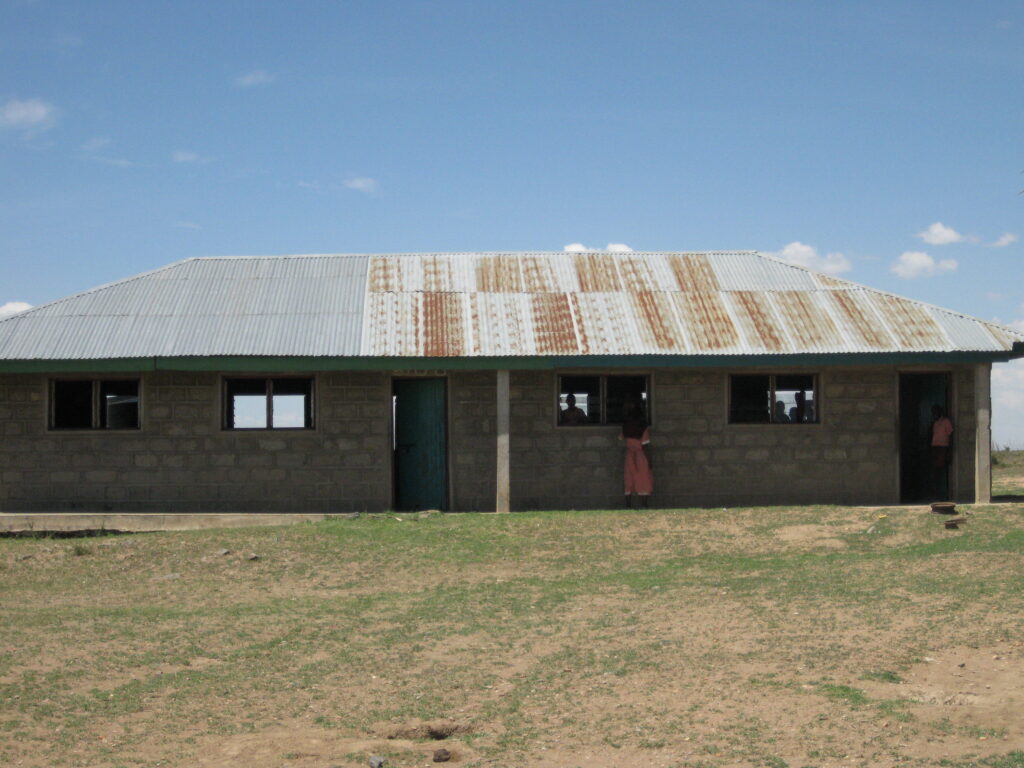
226, 410
95, 404
602, 377
816, 378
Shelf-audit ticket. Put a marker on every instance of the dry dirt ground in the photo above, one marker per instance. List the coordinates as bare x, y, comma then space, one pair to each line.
759, 637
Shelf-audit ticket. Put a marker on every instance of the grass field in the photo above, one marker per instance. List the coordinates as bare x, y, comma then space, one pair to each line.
760, 637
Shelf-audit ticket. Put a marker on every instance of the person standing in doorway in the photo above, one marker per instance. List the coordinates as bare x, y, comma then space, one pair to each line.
637, 471
942, 432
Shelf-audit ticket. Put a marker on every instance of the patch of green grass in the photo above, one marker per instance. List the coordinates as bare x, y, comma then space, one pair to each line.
882, 676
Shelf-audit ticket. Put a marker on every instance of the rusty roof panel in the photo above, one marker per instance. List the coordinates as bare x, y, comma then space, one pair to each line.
859, 321
910, 323
707, 320
659, 330
647, 272
395, 273
393, 325
539, 275
807, 322
444, 330
833, 283
499, 274
596, 272
553, 329
693, 272
757, 321
506, 325
605, 324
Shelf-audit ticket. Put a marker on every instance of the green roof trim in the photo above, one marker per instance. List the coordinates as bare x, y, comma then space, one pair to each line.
316, 364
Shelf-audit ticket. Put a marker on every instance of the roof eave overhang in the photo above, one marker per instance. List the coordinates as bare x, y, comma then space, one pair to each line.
258, 364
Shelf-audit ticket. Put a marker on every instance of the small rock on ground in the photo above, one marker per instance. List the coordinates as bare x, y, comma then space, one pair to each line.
442, 755
376, 762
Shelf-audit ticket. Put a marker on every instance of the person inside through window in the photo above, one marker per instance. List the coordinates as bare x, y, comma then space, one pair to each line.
571, 415
942, 432
637, 471
780, 413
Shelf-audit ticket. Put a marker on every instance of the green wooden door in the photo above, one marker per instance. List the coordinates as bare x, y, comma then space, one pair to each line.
420, 444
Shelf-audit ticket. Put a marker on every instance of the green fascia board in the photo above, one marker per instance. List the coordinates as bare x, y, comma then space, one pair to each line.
314, 364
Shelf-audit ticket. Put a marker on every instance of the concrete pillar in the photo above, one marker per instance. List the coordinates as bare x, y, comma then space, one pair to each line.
503, 501
983, 433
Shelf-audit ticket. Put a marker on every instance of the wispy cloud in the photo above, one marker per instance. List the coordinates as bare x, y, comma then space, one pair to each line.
28, 115
803, 255
95, 144
13, 306
611, 248
254, 78
188, 156
939, 234
913, 264
363, 184
186, 225
1007, 239
92, 149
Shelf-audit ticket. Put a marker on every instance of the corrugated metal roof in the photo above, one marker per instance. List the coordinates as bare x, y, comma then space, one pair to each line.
305, 306
488, 304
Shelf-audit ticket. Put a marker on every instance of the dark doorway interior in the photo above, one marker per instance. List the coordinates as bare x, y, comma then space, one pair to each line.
919, 481
420, 444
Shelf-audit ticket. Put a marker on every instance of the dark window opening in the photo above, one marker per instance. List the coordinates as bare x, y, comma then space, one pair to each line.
608, 399
91, 404
579, 401
773, 399
268, 404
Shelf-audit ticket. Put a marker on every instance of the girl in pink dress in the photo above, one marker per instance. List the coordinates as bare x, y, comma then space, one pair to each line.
637, 473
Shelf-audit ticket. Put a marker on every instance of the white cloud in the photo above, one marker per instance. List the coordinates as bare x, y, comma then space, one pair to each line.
1008, 401
28, 115
13, 306
187, 225
254, 78
1007, 239
913, 264
363, 184
610, 248
939, 234
807, 256
95, 144
187, 156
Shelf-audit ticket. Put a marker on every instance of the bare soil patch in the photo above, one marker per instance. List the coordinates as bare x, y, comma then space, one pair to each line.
800, 637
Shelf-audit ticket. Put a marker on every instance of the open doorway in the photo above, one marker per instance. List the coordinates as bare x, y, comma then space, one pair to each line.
919, 479
420, 443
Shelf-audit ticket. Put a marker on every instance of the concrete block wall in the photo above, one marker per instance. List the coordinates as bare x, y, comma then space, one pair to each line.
472, 453
700, 459
181, 460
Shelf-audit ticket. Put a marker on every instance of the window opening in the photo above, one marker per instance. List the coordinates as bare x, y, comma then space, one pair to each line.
773, 399
268, 403
601, 399
92, 404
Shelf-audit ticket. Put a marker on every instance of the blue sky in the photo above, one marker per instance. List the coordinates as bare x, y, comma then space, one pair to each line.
880, 141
